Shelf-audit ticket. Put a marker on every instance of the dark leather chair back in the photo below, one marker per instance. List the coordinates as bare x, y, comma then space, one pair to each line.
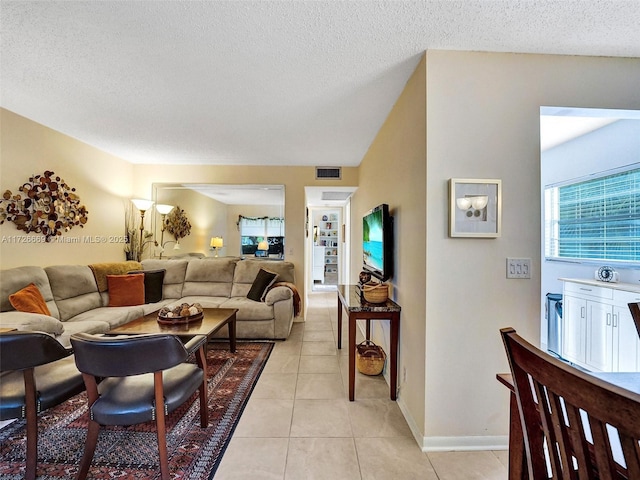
21, 350
127, 355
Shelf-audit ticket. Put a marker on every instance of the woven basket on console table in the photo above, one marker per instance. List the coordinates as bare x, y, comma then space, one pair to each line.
370, 358
375, 292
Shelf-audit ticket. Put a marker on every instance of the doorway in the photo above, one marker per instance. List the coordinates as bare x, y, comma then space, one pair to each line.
327, 252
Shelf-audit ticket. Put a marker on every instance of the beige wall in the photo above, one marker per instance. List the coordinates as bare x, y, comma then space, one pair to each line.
394, 172
483, 122
103, 182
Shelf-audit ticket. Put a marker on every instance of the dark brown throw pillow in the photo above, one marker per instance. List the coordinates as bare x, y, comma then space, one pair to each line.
264, 279
153, 280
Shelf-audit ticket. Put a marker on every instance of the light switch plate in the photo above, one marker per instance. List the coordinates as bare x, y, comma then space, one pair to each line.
518, 268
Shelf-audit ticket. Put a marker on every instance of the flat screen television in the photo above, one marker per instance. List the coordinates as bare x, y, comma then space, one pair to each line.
377, 242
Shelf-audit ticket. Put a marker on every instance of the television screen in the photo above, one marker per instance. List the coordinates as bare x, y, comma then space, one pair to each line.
377, 249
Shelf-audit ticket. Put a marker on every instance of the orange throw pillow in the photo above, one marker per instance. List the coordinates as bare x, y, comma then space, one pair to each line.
29, 300
126, 290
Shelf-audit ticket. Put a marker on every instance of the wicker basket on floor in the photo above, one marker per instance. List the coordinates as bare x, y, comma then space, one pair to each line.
370, 358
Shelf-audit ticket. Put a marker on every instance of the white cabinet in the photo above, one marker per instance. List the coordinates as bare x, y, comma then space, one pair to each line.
318, 263
598, 331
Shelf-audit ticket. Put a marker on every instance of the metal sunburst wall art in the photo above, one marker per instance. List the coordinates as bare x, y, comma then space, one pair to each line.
45, 204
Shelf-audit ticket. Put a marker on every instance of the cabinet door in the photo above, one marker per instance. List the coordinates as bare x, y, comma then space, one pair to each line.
599, 353
574, 311
626, 346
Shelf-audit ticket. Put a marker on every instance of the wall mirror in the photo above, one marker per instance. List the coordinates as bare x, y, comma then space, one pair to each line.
226, 220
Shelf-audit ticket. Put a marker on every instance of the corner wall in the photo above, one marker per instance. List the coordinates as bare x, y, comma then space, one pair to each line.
393, 171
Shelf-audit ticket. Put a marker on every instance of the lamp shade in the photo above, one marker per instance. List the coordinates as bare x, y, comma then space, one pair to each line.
163, 209
263, 245
217, 242
142, 204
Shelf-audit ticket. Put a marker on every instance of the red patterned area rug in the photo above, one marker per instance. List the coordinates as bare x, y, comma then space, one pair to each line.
132, 452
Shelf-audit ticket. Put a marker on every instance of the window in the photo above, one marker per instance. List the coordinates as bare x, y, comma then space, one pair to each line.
254, 230
596, 219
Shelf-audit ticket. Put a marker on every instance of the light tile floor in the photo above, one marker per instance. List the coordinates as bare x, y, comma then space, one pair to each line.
299, 424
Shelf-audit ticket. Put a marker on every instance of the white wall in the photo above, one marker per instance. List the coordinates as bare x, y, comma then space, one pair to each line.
483, 122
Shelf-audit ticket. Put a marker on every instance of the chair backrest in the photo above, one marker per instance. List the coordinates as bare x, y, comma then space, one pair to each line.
123, 356
576, 425
635, 313
22, 350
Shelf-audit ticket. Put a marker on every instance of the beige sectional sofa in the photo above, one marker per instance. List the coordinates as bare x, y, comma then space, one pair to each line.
76, 304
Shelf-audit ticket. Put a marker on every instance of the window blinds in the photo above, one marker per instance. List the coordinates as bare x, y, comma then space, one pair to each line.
596, 219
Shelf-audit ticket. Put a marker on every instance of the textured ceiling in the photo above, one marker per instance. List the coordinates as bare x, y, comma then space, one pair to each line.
275, 83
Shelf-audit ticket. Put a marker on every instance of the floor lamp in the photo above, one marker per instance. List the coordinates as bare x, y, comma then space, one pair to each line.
142, 205
163, 210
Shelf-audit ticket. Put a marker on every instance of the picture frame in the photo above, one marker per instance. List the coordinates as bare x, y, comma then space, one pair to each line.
475, 208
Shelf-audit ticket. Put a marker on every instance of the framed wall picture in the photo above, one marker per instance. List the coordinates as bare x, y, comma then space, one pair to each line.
475, 207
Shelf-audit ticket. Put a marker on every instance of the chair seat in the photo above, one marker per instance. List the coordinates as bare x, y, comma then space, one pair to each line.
130, 400
55, 382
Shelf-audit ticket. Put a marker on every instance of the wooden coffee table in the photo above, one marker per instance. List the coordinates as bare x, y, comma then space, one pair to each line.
212, 321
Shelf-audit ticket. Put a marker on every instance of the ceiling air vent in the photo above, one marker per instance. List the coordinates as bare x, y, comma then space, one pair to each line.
328, 173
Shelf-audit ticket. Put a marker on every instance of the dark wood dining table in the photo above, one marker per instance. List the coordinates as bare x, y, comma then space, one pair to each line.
517, 458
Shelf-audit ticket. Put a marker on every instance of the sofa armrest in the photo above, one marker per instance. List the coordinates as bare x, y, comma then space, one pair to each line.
278, 294
31, 321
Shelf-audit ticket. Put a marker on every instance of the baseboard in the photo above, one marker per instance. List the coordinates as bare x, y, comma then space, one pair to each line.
448, 444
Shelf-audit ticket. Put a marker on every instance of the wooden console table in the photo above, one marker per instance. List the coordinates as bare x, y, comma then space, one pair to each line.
349, 299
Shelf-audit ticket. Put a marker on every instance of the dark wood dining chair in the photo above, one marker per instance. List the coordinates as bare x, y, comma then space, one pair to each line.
36, 373
575, 426
635, 314
143, 378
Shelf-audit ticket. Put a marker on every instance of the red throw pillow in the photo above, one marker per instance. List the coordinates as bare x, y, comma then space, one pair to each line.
126, 290
29, 300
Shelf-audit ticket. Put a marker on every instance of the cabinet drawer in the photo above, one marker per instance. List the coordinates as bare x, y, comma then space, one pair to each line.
588, 290
622, 296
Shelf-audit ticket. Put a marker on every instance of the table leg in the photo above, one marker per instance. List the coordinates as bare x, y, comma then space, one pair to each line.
339, 325
368, 329
393, 384
352, 357
232, 333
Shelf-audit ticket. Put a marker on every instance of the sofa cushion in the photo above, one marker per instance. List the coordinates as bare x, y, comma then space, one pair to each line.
126, 290
173, 277
31, 321
112, 316
264, 279
211, 276
30, 300
246, 271
153, 282
249, 309
74, 289
14, 279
